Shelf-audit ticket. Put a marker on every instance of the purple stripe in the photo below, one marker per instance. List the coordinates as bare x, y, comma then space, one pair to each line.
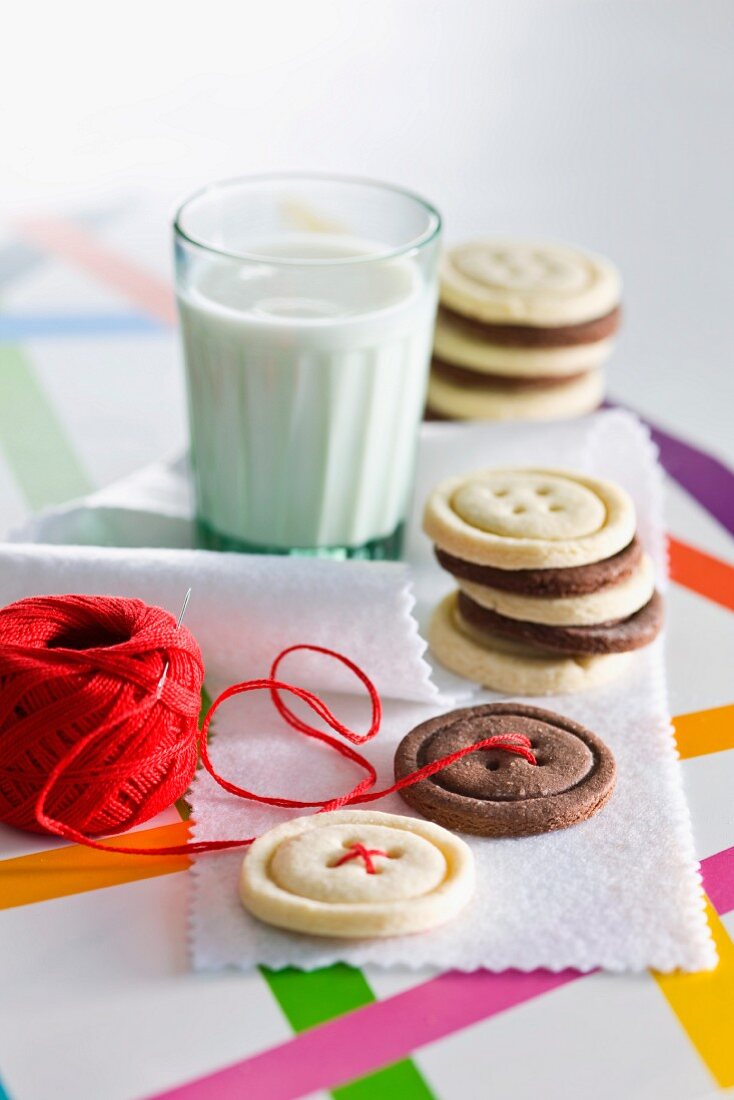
709, 480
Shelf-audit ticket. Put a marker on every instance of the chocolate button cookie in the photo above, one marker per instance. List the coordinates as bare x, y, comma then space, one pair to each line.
493, 792
577, 580
634, 632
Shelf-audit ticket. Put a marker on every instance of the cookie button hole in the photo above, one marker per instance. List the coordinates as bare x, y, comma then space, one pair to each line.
555, 508
395, 853
517, 509
542, 492
501, 493
492, 766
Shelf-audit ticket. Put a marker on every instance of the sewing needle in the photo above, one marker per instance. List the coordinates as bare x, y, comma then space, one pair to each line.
182, 612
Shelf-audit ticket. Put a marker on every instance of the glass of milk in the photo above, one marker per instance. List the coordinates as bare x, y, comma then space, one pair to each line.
307, 306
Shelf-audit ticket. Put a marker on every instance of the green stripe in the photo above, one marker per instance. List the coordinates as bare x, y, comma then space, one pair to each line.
182, 804
311, 998
32, 437
400, 1081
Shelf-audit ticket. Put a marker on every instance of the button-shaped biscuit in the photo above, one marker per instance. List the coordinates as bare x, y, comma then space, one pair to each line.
529, 518
521, 282
493, 792
354, 873
529, 504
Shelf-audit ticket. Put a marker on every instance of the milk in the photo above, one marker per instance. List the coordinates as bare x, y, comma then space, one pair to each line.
306, 386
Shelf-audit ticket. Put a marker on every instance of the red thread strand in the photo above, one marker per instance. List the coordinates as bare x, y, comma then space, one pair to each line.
89, 746
358, 851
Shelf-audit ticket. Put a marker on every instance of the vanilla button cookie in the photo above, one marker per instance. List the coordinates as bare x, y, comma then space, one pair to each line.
357, 873
612, 602
528, 283
484, 400
473, 352
467, 346
512, 666
529, 518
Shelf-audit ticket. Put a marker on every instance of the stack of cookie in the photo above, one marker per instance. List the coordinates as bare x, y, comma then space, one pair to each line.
555, 589
522, 331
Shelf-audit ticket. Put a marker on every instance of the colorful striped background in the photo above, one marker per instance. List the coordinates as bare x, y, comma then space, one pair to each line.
345, 1038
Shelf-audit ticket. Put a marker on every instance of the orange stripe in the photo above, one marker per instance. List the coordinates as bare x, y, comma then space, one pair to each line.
76, 869
71, 243
704, 731
702, 573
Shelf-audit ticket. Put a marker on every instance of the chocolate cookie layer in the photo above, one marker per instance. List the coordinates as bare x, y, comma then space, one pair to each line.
577, 580
618, 637
463, 376
496, 793
530, 336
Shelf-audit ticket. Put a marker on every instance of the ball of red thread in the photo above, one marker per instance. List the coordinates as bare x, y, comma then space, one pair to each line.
80, 683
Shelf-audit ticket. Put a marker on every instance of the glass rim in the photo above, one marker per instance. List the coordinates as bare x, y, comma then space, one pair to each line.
431, 232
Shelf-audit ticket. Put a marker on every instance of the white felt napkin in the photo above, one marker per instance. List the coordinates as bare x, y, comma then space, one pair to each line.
245, 609
621, 891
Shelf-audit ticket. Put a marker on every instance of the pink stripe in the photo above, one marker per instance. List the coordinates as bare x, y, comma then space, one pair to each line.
72, 243
718, 880
386, 1031
376, 1035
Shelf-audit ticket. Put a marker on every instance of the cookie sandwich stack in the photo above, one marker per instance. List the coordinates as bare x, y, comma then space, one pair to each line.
555, 589
522, 331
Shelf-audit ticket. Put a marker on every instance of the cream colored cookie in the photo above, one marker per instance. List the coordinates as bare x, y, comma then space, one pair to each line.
613, 601
454, 345
528, 283
574, 398
511, 667
529, 518
354, 873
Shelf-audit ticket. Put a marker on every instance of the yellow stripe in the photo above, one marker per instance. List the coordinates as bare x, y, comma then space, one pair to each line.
705, 731
76, 869
704, 1005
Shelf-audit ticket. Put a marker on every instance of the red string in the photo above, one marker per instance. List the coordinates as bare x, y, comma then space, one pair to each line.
358, 851
132, 749
516, 743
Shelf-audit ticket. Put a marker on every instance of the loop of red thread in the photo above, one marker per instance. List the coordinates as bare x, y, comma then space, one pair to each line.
320, 708
293, 719
91, 744
358, 851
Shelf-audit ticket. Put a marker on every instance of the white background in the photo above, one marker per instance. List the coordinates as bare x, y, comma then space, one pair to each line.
604, 123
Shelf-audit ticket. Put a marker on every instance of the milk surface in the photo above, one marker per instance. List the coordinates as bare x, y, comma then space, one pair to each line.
306, 386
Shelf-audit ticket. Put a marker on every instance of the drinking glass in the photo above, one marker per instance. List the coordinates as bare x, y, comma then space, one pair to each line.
307, 306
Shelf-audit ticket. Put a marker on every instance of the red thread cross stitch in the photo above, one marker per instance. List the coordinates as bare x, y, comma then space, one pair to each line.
358, 851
